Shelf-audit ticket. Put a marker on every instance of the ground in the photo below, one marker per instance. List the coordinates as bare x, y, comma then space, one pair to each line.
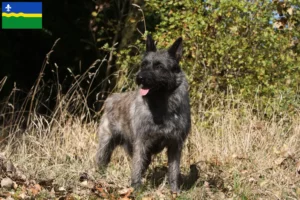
230, 153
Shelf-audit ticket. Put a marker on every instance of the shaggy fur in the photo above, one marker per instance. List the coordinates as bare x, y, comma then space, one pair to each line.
154, 117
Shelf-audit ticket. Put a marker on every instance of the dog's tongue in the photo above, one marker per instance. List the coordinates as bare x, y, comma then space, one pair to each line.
143, 92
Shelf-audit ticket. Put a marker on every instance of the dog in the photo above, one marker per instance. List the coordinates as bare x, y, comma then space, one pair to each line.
154, 117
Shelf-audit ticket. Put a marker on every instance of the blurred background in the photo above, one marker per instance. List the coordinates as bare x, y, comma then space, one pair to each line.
247, 48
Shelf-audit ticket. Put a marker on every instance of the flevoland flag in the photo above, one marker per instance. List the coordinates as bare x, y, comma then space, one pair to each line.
22, 15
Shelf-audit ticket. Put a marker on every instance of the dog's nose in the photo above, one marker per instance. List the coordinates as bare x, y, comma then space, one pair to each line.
139, 79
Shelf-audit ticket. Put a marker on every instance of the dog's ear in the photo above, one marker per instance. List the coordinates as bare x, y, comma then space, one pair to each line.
176, 49
150, 46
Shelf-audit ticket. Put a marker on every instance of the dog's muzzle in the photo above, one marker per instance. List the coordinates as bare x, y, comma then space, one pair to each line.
140, 79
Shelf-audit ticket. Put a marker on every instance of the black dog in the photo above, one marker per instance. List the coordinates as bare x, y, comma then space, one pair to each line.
155, 116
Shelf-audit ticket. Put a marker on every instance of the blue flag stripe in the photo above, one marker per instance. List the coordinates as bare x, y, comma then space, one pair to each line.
24, 7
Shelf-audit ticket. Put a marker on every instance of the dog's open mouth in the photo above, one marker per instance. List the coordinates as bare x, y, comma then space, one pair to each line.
144, 91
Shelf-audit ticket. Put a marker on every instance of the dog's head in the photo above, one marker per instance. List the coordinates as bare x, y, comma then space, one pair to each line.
160, 70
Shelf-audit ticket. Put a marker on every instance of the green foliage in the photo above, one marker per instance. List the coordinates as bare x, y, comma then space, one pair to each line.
128, 63
250, 47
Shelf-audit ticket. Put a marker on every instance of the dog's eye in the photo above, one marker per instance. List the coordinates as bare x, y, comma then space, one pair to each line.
143, 64
158, 66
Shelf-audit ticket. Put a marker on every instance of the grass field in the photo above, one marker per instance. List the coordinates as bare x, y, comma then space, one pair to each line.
234, 155
233, 151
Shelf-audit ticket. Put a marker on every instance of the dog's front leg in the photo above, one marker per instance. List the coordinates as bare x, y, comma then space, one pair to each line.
174, 155
139, 163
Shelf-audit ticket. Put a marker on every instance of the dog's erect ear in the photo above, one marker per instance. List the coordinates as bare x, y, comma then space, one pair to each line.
176, 49
150, 46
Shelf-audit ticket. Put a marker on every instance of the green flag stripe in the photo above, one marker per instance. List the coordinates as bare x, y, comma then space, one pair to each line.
21, 22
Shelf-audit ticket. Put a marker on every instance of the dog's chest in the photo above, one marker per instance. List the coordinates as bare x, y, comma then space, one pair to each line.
163, 117
159, 124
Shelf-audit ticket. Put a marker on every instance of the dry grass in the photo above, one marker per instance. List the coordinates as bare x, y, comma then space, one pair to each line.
253, 158
239, 155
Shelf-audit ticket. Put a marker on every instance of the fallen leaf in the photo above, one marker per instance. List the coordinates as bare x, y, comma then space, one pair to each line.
279, 161
215, 161
102, 192
174, 195
252, 180
61, 189
22, 195
35, 189
15, 185
6, 183
5, 194
84, 183
87, 184
126, 191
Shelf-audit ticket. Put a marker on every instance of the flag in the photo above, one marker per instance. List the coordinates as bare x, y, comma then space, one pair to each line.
22, 15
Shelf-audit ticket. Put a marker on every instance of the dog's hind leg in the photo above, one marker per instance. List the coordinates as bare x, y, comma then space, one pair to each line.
107, 143
105, 149
147, 163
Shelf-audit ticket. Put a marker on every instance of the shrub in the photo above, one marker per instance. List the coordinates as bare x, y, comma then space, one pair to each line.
247, 47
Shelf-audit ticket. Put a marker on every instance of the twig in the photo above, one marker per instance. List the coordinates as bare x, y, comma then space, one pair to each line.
2, 82
140, 9
46, 61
